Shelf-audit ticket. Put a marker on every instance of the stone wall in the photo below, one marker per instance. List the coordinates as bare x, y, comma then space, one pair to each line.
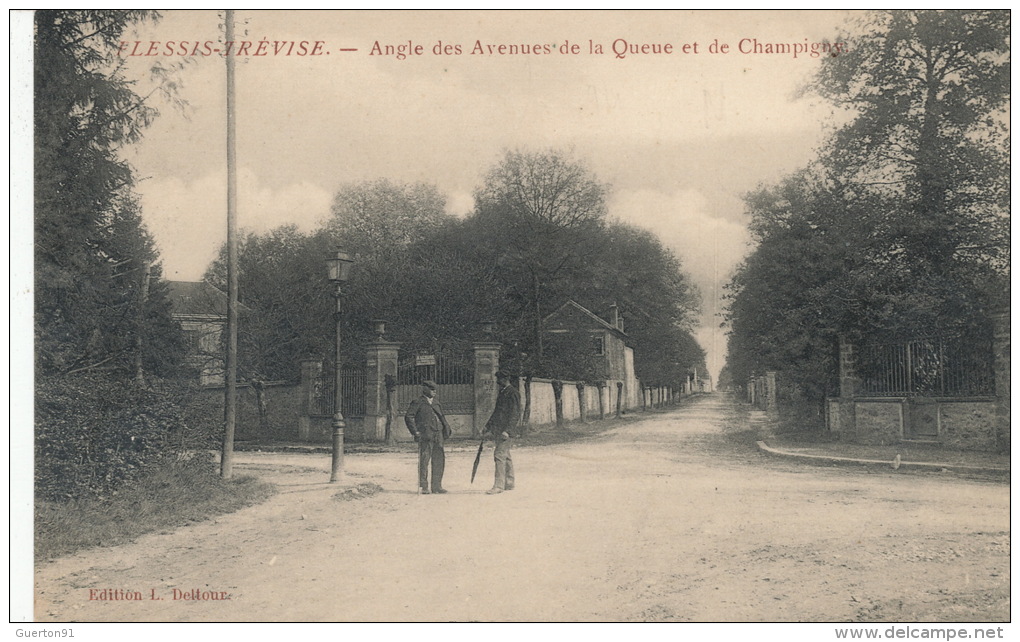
284, 407
967, 424
319, 429
879, 421
1001, 346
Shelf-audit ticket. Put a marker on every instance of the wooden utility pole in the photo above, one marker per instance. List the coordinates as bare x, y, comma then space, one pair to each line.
230, 399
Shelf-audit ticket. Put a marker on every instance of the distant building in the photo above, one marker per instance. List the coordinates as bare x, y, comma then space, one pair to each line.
201, 309
611, 354
700, 382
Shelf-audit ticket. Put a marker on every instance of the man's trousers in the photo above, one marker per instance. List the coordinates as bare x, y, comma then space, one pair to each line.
431, 450
504, 465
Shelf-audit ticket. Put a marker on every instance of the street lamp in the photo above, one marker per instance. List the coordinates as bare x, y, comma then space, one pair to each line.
339, 270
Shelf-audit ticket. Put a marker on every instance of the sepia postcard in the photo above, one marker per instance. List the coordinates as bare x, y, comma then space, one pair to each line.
650, 479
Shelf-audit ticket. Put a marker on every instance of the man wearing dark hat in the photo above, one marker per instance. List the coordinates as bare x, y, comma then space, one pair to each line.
503, 426
427, 423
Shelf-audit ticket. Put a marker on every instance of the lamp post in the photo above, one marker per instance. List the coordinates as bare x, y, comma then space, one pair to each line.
339, 270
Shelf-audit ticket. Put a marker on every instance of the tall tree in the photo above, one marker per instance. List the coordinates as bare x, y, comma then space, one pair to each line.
787, 300
537, 207
381, 222
901, 227
928, 148
388, 228
374, 216
655, 297
286, 303
90, 244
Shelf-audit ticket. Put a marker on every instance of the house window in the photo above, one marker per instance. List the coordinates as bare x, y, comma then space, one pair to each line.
600, 345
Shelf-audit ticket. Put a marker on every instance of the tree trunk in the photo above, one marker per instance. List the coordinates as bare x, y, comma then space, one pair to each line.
539, 345
526, 421
619, 398
258, 385
602, 400
557, 387
143, 297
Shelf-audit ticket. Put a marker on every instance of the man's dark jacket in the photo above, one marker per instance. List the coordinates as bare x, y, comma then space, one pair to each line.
506, 416
427, 420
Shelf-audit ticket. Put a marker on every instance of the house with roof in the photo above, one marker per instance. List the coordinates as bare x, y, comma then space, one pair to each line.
609, 357
201, 309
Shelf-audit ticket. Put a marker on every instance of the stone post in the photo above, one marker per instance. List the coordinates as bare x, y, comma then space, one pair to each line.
771, 403
380, 360
486, 366
1000, 349
848, 388
310, 371
847, 376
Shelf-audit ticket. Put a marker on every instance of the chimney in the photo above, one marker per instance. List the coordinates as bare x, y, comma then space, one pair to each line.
614, 317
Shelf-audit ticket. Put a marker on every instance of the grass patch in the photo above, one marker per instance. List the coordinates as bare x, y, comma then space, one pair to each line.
170, 498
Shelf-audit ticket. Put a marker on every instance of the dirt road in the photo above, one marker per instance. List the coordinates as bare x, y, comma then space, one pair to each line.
667, 519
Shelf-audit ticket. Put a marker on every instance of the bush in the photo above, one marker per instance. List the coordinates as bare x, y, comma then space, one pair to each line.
175, 495
95, 433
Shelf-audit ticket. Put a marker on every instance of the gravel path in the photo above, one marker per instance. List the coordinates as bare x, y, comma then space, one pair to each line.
669, 518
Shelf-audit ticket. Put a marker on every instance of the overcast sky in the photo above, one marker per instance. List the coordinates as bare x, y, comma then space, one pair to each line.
680, 137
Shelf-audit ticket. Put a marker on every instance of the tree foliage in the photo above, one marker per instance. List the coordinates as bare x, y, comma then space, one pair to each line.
285, 301
414, 268
435, 278
102, 312
901, 227
927, 152
92, 251
539, 210
376, 216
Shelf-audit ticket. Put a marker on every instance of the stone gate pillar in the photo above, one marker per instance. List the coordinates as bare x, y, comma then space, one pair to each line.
1000, 349
849, 385
310, 371
486, 366
380, 360
771, 402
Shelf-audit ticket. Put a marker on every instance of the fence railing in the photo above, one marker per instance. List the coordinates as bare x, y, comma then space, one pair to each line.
453, 372
352, 392
934, 367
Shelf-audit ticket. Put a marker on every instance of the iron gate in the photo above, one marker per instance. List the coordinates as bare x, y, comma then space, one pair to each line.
933, 367
352, 392
453, 371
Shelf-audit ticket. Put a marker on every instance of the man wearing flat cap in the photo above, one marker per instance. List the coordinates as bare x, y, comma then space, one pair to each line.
504, 427
427, 423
